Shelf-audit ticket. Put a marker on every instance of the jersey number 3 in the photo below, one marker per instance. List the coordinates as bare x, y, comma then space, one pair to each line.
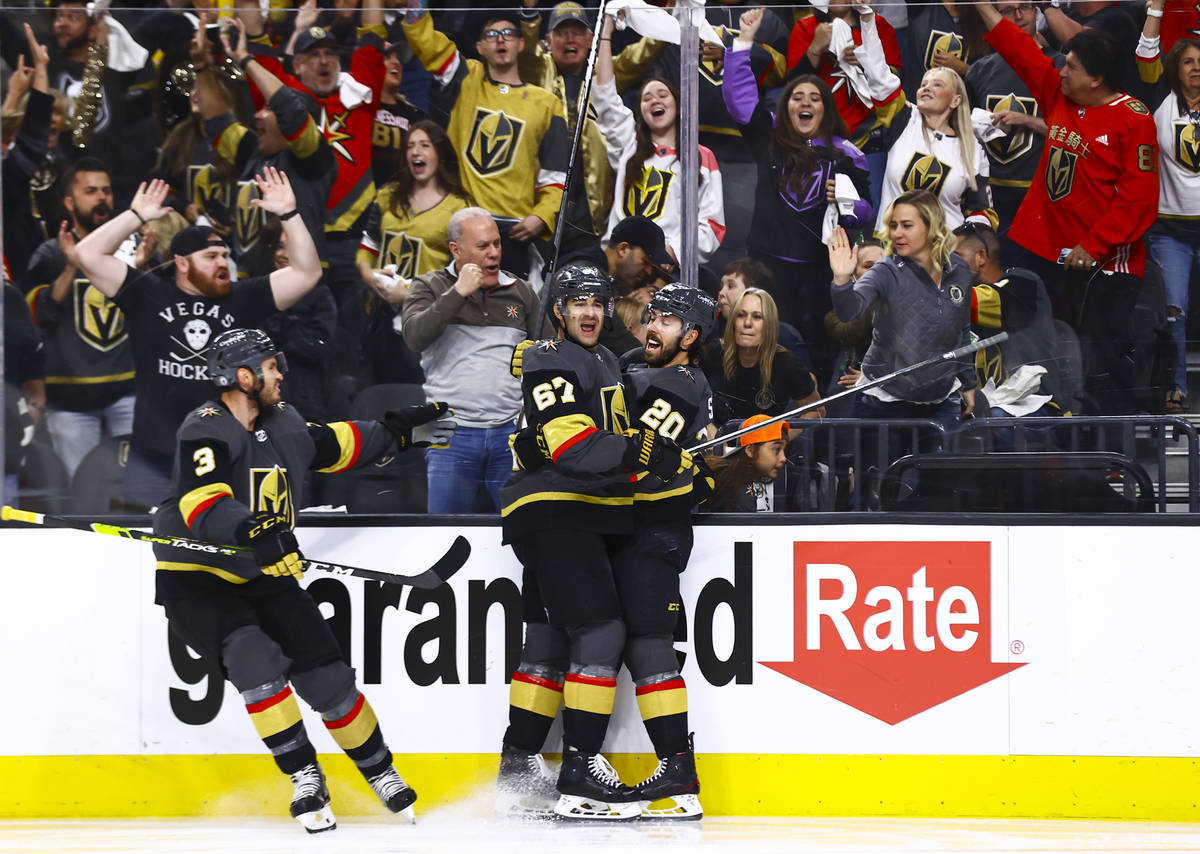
204, 460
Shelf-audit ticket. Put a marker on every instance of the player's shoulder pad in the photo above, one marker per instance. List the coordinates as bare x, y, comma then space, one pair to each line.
634, 358
545, 352
1138, 107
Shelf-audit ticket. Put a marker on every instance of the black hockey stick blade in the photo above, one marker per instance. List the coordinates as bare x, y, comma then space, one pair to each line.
445, 566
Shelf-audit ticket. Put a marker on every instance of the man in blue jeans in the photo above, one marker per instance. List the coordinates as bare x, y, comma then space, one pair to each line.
464, 320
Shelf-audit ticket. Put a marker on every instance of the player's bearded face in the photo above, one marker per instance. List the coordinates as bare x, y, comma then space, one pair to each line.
663, 337
269, 389
583, 319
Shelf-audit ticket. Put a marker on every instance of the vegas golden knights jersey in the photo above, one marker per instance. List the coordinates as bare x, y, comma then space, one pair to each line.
224, 474
573, 399
415, 241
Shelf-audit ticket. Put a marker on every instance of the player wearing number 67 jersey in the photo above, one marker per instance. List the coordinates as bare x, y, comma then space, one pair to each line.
565, 509
239, 477
668, 394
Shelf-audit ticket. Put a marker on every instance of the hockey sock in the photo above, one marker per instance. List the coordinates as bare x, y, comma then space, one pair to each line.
662, 700
587, 705
276, 717
356, 730
534, 696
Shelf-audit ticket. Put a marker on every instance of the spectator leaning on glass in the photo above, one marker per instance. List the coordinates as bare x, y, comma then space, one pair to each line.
464, 320
923, 295
171, 321
1174, 239
1094, 195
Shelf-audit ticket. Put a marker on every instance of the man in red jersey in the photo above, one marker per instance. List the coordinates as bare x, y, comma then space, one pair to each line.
1093, 196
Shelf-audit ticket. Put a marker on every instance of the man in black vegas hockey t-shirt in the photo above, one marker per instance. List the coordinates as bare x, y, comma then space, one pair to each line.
172, 317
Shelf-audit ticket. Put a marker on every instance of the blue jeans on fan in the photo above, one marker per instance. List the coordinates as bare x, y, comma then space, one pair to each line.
1176, 258
477, 455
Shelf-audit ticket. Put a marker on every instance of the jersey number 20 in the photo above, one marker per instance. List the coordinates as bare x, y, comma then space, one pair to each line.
661, 417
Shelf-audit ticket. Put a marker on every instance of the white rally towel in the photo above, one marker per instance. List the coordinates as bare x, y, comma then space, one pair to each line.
1018, 394
845, 195
985, 128
841, 38
124, 53
353, 93
655, 23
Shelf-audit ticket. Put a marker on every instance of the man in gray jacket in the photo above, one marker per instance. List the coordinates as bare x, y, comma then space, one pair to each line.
465, 321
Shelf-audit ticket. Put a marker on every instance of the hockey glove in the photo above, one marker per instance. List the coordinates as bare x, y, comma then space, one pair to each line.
275, 548
529, 449
650, 452
402, 426
518, 356
704, 481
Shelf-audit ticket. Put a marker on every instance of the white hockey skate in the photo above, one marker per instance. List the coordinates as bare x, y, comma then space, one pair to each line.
310, 800
672, 791
395, 794
590, 790
525, 786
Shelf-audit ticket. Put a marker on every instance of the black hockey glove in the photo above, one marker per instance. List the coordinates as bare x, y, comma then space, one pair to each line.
529, 449
274, 544
704, 480
650, 452
420, 426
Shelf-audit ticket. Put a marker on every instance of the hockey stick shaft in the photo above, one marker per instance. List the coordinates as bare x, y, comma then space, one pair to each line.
441, 570
951, 356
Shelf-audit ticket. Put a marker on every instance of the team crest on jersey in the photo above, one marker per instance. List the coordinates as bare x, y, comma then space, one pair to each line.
1187, 146
989, 364
616, 413
249, 218
97, 319
1138, 107
1060, 173
648, 196
334, 129
924, 172
495, 137
206, 191
549, 344
512, 312
209, 412
943, 42
270, 492
956, 295
1006, 149
404, 251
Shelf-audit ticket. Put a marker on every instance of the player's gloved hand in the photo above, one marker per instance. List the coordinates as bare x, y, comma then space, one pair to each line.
514, 364
529, 453
402, 425
275, 548
648, 451
704, 480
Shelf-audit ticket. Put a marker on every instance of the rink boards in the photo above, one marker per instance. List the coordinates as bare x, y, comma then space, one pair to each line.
900, 670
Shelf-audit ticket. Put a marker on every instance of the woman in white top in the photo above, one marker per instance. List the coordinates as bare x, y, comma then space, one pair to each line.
933, 147
643, 151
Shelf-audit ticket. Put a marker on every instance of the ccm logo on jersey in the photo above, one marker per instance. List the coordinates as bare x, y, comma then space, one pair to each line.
893, 629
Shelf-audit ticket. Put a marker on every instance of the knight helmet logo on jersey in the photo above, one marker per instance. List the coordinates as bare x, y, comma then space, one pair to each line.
404, 251
1060, 173
941, 41
648, 195
1187, 146
97, 319
895, 628
270, 492
495, 137
924, 172
1018, 140
249, 218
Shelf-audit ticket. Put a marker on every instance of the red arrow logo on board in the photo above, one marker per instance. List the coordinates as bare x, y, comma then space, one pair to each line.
893, 628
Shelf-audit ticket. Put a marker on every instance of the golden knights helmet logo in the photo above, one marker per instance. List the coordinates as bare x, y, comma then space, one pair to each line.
248, 218
403, 250
1006, 149
941, 41
924, 172
648, 195
495, 137
97, 319
1187, 146
270, 492
205, 190
989, 364
1060, 173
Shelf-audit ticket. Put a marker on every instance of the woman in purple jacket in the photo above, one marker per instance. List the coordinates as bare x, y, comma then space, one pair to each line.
799, 149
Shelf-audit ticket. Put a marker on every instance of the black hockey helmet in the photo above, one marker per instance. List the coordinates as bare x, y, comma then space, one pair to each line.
693, 306
241, 348
584, 280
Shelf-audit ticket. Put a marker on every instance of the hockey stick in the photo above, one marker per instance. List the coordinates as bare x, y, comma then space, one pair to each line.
584, 102
808, 407
445, 566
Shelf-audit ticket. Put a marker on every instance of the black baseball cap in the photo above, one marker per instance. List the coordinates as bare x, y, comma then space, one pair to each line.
312, 37
643, 232
567, 12
194, 238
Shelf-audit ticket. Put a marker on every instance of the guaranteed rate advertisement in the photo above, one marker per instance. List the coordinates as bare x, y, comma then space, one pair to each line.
814, 640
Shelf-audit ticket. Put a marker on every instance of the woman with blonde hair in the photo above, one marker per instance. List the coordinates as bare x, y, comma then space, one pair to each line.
922, 296
751, 373
933, 147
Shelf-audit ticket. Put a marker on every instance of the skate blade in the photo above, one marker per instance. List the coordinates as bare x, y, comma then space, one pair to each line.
318, 820
676, 808
408, 814
575, 807
524, 806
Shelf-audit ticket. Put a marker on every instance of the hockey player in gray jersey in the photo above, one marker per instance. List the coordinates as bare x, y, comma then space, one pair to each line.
669, 394
239, 479
566, 508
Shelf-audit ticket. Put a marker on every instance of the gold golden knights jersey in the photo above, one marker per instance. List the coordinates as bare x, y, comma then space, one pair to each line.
573, 399
225, 473
415, 241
